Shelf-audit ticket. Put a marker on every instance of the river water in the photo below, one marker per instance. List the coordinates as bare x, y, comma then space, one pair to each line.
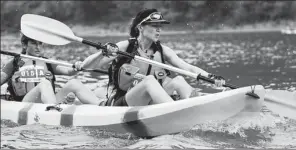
267, 58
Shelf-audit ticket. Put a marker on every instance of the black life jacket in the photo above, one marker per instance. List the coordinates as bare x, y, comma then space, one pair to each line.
113, 70
16, 64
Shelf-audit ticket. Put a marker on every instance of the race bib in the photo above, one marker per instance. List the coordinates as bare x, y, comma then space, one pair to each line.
32, 73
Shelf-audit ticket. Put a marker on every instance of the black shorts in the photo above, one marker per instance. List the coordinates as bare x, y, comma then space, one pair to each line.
17, 98
121, 101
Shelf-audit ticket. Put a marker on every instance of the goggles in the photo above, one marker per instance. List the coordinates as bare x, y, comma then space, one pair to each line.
154, 17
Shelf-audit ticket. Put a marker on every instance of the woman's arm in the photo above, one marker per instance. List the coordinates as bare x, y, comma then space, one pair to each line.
4, 77
62, 70
176, 61
6, 71
98, 61
94, 61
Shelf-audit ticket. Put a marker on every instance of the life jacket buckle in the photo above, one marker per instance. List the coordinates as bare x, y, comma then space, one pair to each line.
129, 69
160, 74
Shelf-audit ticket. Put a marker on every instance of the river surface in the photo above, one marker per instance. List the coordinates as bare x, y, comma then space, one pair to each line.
267, 58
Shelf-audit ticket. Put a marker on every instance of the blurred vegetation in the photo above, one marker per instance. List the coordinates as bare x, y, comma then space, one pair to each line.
205, 13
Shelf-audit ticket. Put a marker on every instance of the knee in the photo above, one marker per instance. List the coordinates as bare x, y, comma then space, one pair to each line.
149, 82
74, 83
45, 82
149, 78
179, 80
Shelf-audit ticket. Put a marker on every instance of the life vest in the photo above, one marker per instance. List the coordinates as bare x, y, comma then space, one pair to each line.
27, 75
117, 71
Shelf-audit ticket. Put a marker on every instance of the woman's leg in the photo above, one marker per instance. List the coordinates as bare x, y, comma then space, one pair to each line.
85, 95
148, 91
42, 93
180, 85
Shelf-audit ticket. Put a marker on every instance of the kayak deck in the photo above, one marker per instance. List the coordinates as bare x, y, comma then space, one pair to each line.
281, 102
152, 120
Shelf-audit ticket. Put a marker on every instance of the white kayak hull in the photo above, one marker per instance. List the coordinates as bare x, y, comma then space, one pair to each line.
281, 102
152, 120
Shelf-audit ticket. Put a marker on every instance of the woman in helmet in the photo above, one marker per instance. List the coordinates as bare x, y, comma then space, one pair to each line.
156, 87
33, 81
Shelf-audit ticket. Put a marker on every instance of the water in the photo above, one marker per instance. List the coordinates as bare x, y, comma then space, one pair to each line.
242, 58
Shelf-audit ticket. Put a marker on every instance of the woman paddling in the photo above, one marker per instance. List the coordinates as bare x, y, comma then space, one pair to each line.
156, 87
33, 81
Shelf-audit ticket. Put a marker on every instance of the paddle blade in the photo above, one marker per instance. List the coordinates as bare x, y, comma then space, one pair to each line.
47, 30
281, 102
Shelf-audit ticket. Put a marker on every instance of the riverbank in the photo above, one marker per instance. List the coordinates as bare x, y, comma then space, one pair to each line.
122, 29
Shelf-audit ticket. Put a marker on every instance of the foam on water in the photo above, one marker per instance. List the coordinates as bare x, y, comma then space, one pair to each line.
44, 136
177, 141
265, 130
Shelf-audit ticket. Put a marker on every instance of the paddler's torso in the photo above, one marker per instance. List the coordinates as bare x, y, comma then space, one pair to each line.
127, 81
28, 75
144, 67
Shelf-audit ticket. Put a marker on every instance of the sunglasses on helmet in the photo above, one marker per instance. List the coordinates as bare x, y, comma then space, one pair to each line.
156, 16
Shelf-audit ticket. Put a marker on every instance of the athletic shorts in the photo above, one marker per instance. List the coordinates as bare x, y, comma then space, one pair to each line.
17, 98
121, 101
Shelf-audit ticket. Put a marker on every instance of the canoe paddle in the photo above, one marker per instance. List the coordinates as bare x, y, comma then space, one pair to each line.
54, 32
51, 61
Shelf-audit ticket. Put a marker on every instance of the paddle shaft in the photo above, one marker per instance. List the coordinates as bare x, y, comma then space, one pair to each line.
181, 71
51, 61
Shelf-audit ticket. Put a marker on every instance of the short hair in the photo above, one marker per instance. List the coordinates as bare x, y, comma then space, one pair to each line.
25, 40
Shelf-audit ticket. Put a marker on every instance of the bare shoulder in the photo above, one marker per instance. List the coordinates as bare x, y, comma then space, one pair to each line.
166, 49
8, 66
9, 63
169, 54
122, 45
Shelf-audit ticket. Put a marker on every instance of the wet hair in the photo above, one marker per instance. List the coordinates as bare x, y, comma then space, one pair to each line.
134, 31
25, 40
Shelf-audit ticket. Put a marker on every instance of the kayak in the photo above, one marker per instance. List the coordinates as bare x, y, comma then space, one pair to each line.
143, 121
